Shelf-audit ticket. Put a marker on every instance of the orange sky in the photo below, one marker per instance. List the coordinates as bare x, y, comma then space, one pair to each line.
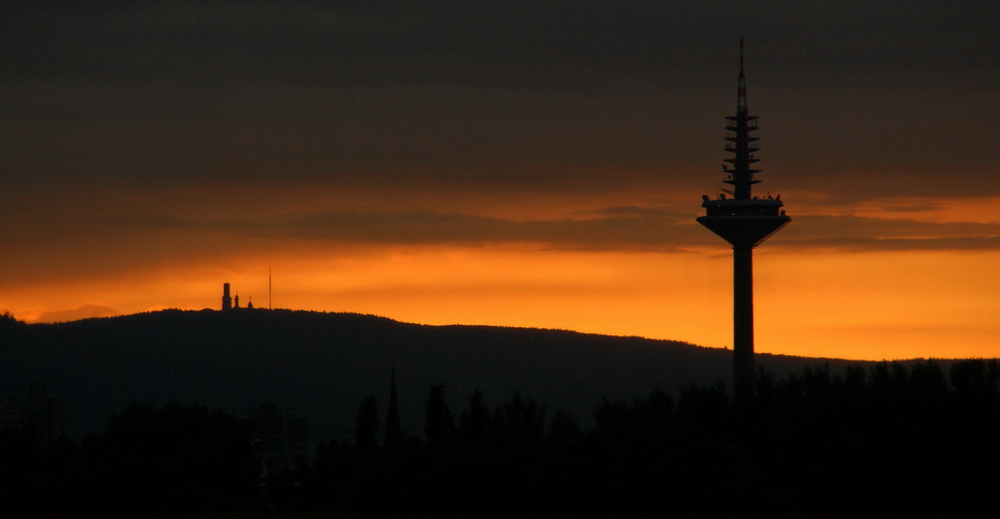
827, 302
474, 163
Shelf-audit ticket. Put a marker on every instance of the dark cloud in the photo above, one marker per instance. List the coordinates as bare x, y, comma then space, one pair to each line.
514, 42
615, 228
869, 244
209, 100
859, 234
380, 139
635, 213
116, 244
641, 230
338, 44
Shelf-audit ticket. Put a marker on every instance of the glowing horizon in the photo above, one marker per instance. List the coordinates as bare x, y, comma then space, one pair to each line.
802, 309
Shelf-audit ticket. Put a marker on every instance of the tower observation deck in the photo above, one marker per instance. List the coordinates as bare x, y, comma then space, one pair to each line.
744, 221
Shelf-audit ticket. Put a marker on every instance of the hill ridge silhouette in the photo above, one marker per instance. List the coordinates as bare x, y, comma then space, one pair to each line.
320, 365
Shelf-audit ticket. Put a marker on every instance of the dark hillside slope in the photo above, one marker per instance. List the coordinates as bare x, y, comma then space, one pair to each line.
320, 365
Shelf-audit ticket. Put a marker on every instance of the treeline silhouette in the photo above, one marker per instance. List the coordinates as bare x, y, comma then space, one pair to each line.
885, 440
150, 461
320, 365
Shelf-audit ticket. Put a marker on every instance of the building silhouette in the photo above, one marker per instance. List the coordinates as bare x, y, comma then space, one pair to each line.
227, 301
233, 302
745, 221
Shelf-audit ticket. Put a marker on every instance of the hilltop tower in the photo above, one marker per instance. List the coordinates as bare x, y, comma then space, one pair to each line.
227, 301
745, 221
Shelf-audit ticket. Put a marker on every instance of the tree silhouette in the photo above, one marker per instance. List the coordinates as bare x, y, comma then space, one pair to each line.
366, 425
976, 381
474, 423
564, 427
171, 461
439, 423
519, 420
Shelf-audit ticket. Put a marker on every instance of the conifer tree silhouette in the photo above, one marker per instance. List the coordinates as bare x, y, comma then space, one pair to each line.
474, 424
367, 425
439, 422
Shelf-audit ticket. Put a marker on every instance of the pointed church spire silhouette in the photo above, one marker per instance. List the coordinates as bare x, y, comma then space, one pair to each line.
393, 427
745, 221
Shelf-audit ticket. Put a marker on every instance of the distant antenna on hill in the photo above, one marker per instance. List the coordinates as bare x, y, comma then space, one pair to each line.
268, 287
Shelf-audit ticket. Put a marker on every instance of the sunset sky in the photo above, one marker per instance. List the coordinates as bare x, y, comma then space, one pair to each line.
535, 163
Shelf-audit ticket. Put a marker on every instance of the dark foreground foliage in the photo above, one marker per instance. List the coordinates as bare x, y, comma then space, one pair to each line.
887, 442
150, 461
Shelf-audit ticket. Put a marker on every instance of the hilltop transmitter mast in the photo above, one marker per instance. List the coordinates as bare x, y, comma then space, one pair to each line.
745, 221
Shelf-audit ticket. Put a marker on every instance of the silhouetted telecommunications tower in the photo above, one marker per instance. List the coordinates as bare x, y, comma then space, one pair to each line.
745, 221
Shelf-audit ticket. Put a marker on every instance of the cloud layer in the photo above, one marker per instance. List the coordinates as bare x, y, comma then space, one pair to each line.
495, 94
119, 243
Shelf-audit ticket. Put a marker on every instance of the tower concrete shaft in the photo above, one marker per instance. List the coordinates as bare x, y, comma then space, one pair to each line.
745, 221
743, 347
